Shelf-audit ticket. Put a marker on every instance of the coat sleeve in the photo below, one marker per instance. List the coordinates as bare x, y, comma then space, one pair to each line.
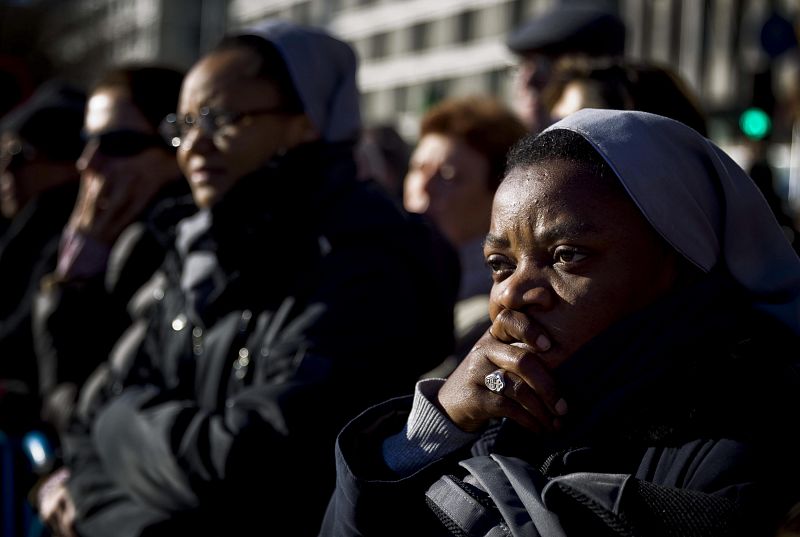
369, 499
77, 322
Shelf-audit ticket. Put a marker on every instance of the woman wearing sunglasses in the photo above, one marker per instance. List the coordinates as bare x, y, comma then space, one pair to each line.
131, 196
640, 376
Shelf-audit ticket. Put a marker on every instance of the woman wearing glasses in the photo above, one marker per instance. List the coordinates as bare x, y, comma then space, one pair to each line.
291, 293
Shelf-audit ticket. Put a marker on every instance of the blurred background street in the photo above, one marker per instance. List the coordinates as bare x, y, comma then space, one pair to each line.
740, 57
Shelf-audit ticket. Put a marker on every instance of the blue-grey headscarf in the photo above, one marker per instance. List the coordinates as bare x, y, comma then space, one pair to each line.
699, 200
323, 70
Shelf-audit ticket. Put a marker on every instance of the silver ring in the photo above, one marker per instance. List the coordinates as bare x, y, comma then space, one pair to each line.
496, 381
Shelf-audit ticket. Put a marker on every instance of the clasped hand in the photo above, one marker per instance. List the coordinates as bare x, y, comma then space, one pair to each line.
530, 397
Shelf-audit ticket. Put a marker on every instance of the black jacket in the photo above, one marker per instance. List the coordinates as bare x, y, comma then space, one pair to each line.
219, 416
682, 422
76, 322
28, 251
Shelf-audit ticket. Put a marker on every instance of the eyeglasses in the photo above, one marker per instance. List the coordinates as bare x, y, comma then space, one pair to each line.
17, 150
124, 143
219, 124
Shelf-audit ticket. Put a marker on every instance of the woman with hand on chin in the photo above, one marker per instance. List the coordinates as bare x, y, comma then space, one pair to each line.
640, 374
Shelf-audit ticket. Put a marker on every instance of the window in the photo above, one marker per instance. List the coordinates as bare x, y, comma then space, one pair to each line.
420, 36
465, 31
378, 46
401, 98
435, 92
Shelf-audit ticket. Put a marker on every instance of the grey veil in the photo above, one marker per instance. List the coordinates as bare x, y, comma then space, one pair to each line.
323, 70
699, 200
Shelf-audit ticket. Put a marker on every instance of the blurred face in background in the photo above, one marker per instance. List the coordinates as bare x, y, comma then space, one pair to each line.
449, 182
237, 123
532, 75
26, 172
124, 163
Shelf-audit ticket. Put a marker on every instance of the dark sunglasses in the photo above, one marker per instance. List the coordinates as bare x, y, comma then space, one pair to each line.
124, 143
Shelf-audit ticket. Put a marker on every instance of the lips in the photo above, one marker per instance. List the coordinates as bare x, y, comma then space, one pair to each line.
204, 175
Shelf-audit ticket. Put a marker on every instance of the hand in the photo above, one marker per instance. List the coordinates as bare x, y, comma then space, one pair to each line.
56, 507
105, 207
531, 397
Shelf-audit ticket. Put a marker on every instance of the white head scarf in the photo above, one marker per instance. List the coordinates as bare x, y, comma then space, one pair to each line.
323, 70
699, 200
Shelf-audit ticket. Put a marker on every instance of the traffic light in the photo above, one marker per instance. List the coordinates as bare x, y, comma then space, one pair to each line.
755, 123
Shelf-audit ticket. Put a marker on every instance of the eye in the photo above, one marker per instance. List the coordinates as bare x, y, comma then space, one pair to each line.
222, 118
500, 265
568, 255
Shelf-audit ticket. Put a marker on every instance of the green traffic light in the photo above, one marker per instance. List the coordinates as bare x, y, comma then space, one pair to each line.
755, 123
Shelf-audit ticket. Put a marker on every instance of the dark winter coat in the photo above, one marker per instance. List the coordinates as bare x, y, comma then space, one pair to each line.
28, 251
77, 322
683, 421
219, 414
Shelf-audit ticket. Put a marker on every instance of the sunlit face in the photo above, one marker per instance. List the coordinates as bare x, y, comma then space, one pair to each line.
572, 254
449, 181
224, 82
140, 174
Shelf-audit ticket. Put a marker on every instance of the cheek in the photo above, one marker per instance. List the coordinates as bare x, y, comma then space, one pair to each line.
587, 309
247, 155
182, 158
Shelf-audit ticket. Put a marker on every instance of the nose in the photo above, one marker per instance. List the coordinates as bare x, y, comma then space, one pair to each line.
90, 157
198, 139
527, 289
415, 191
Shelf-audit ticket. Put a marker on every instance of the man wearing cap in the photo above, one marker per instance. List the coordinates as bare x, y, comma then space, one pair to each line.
566, 29
296, 296
39, 143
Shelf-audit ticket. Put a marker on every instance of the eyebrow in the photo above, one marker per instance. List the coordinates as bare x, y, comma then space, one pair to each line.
567, 230
553, 233
496, 241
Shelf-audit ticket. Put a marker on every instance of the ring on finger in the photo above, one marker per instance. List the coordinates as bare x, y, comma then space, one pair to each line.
496, 381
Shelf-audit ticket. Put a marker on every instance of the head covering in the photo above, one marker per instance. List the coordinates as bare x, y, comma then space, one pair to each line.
51, 120
323, 70
699, 200
569, 28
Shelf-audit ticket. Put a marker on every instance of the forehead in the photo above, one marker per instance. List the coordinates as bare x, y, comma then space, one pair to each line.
436, 147
111, 109
226, 78
562, 194
7, 137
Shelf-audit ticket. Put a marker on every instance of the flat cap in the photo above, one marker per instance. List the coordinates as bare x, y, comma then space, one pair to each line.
569, 28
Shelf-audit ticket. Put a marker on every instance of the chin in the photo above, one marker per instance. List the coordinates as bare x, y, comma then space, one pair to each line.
8, 209
204, 196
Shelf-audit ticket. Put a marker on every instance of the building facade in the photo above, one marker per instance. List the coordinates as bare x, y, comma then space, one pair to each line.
414, 52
